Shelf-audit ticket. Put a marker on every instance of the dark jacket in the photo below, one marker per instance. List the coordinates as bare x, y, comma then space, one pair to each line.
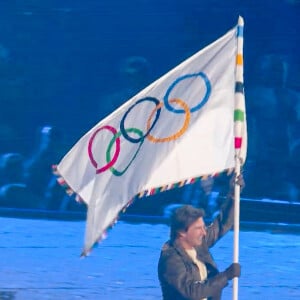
179, 276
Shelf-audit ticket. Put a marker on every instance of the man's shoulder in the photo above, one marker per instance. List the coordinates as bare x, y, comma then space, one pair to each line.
168, 249
166, 246
171, 249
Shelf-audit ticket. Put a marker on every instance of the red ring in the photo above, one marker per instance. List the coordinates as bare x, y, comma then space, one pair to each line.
116, 154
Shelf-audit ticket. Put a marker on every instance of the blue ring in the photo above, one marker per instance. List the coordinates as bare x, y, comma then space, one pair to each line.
201, 103
122, 126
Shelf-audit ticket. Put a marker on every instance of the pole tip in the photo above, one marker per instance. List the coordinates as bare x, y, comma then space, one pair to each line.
241, 21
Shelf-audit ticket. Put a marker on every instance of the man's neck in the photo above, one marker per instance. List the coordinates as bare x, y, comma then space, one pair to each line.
184, 244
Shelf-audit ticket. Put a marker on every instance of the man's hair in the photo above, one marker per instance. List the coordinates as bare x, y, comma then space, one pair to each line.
182, 218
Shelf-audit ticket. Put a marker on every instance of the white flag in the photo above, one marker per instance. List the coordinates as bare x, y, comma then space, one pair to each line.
179, 127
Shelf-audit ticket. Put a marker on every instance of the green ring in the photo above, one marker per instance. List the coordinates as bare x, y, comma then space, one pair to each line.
108, 157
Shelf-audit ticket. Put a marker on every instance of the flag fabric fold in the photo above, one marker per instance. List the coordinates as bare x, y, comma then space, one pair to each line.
180, 127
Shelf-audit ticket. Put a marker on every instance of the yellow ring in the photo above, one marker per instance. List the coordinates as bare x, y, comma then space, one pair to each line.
180, 132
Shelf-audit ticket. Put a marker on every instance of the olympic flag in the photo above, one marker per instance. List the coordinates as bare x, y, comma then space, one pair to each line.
180, 127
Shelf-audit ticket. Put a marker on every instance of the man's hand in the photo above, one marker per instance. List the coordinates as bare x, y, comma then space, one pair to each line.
234, 270
236, 180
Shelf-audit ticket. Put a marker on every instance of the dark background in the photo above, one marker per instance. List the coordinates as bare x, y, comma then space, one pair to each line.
60, 58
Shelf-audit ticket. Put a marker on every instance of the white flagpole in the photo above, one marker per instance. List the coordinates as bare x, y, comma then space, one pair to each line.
236, 227
239, 130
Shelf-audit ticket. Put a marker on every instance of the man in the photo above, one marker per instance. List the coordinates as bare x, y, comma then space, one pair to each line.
186, 269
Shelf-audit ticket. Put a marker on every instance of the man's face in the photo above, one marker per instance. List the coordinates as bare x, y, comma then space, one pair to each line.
194, 235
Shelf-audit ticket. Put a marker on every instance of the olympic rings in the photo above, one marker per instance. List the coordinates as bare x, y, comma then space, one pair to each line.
177, 81
122, 127
115, 156
178, 133
108, 158
151, 122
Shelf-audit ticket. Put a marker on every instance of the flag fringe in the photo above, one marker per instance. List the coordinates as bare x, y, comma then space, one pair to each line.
182, 183
145, 193
142, 194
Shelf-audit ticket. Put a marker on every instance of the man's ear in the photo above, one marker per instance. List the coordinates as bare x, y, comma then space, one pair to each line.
181, 234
